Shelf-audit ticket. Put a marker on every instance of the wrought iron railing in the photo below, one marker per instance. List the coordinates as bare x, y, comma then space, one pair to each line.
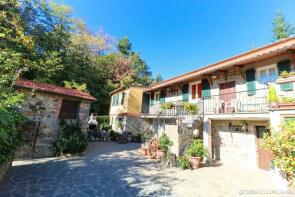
237, 102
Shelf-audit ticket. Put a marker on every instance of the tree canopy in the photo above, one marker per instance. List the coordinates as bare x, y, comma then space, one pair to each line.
41, 40
282, 28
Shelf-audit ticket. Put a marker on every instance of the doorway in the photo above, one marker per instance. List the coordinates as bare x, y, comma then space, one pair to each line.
227, 94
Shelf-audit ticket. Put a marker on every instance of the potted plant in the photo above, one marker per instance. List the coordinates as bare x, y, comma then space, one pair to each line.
195, 152
272, 96
287, 102
190, 107
164, 143
167, 106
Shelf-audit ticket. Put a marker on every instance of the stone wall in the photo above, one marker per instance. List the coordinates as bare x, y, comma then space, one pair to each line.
181, 137
84, 115
4, 169
48, 107
135, 124
185, 138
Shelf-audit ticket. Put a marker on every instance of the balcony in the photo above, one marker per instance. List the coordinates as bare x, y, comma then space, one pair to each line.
238, 102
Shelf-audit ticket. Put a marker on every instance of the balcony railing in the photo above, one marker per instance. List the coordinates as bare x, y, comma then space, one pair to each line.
175, 111
237, 102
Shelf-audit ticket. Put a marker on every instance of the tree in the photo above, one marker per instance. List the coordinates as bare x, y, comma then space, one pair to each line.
140, 73
158, 78
124, 46
281, 28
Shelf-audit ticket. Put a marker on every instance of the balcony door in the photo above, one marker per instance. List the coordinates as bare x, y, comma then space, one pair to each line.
227, 94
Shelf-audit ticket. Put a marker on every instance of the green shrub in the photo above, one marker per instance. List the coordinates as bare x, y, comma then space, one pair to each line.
286, 74
165, 142
10, 120
70, 139
272, 94
282, 146
146, 136
183, 163
103, 120
190, 107
114, 135
288, 100
167, 105
196, 149
105, 126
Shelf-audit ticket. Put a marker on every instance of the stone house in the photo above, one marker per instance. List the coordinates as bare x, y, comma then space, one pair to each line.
232, 99
44, 107
125, 109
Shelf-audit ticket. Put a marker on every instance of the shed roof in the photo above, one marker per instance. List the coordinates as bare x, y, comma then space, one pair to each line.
45, 87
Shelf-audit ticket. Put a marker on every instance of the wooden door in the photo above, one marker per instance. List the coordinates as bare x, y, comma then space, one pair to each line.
227, 94
264, 155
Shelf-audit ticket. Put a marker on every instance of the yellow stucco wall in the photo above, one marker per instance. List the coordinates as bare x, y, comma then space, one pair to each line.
135, 100
132, 102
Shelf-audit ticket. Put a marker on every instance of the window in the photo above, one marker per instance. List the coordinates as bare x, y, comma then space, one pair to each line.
69, 109
194, 91
267, 75
157, 96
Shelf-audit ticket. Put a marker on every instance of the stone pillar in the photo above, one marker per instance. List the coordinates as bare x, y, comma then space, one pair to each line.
207, 136
84, 115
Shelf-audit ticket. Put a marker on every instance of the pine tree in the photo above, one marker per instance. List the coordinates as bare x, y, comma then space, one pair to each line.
281, 28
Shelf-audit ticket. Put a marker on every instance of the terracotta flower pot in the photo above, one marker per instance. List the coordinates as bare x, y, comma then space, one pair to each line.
160, 154
195, 162
144, 151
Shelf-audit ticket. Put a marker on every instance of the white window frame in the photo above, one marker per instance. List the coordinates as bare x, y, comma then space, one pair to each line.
155, 97
266, 68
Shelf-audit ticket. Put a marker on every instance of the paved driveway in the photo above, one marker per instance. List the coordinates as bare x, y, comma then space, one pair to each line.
110, 169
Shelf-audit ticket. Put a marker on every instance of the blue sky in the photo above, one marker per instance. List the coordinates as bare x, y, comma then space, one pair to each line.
175, 37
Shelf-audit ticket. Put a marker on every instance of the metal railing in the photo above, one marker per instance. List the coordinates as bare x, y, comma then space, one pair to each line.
176, 110
237, 102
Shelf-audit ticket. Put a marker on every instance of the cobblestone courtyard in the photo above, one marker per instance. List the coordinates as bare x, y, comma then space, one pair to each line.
110, 169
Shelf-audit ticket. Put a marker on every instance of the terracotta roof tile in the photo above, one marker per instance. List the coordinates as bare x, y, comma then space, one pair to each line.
54, 89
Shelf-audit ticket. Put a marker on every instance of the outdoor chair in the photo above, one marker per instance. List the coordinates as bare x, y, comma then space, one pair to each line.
219, 106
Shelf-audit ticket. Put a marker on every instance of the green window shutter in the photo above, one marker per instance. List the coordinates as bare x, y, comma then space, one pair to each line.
288, 120
205, 88
145, 103
122, 98
251, 83
117, 99
185, 89
162, 97
152, 99
112, 101
284, 66
286, 86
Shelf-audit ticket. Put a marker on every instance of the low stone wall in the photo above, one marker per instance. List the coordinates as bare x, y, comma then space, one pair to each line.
135, 124
4, 169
